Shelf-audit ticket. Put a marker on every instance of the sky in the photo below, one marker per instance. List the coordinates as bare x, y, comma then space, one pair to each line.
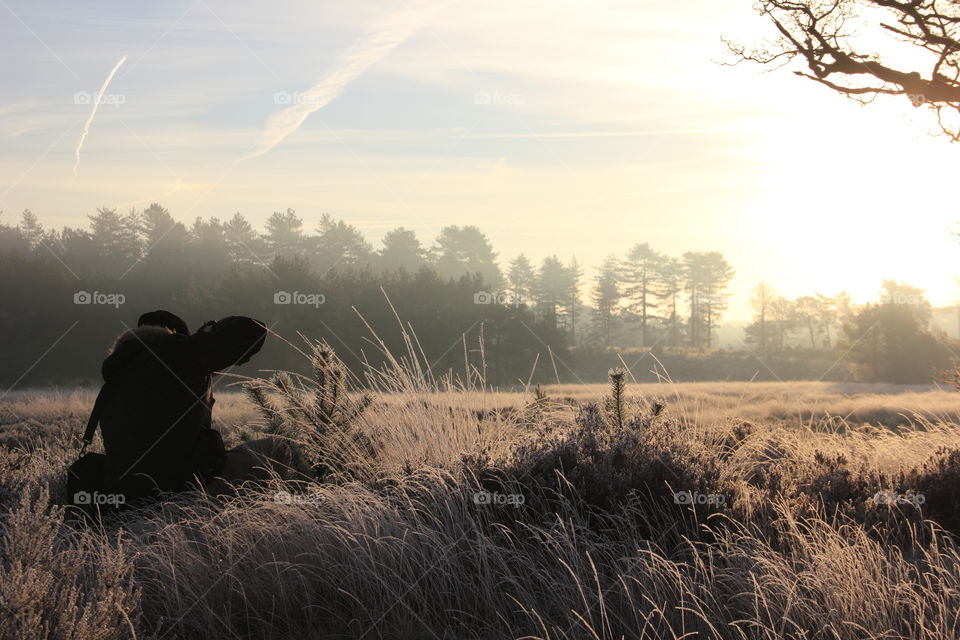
570, 127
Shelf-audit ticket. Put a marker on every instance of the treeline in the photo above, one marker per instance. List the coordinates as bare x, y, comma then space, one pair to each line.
67, 293
889, 340
322, 281
449, 292
638, 300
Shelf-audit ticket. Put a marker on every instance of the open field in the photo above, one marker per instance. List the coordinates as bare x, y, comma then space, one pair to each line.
583, 536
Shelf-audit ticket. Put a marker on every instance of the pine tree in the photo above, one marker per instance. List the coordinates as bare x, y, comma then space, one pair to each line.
284, 235
574, 275
606, 296
521, 277
242, 241
641, 273
549, 290
30, 229
401, 250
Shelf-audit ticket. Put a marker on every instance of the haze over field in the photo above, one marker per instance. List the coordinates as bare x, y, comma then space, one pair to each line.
580, 128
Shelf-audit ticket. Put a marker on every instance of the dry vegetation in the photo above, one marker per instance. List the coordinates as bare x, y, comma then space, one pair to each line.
393, 544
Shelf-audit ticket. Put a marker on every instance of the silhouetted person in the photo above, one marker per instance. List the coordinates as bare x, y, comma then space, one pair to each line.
155, 408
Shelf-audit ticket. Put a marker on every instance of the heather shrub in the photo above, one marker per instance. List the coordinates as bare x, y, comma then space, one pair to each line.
54, 584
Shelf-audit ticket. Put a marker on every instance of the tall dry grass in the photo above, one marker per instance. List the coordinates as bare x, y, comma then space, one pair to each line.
395, 544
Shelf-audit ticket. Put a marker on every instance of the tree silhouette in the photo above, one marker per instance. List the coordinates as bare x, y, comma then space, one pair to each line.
807, 310
30, 229
761, 299
521, 277
339, 246
208, 243
465, 251
606, 296
116, 239
910, 297
836, 41
284, 234
668, 291
243, 244
574, 273
549, 290
641, 271
707, 276
401, 250
887, 342
784, 317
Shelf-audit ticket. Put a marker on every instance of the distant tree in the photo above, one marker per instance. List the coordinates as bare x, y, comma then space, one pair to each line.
827, 315
521, 278
284, 235
401, 250
77, 249
761, 299
243, 245
887, 343
808, 314
30, 229
339, 246
574, 274
465, 251
717, 291
708, 277
165, 241
900, 293
783, 316
843, 303
155, 224
116, 238
641, 273
208, 241
11, 239
668, 290
606, 296
549, 290
837, 43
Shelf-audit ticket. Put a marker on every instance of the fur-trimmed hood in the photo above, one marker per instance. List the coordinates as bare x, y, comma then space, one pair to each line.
131, 344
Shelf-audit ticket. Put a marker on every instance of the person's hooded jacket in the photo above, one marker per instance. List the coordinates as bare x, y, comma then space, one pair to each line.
156, 415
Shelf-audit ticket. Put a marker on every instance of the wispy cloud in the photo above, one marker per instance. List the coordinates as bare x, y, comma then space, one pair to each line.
373, 46
93, 112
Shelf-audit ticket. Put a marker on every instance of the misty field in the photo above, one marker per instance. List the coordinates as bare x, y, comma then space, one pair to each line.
728, 510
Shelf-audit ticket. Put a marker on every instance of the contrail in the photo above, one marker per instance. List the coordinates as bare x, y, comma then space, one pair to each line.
93, 112
373, 46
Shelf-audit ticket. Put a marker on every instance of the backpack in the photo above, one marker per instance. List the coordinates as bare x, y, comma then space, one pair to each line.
89, 490
85, 477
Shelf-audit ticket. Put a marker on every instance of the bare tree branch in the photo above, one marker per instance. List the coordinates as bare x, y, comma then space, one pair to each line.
825, 37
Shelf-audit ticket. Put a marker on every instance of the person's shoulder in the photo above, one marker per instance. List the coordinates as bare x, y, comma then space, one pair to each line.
133, 343
145, 336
